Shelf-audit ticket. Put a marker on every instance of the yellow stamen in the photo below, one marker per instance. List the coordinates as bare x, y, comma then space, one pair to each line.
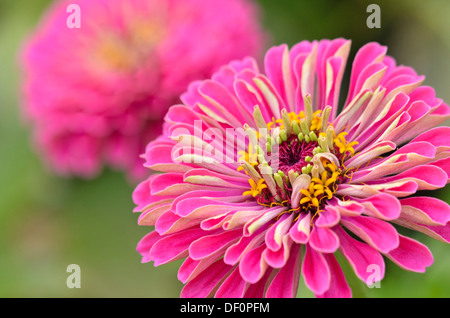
256, 188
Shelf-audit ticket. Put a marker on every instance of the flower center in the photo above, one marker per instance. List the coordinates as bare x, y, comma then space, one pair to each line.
295, 161
295, 154
125, 52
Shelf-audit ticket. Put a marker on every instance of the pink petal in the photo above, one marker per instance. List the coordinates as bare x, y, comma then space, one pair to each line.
159, 158
339, 287
249, 96
441, 233
205, 283
192, 268
411, 255
274, 236
300, 231
235, 252
315, 271
186, 269
413, 154
303, 57
203, 207
379, 234
278, 259
444, 164
330, 55
427, 177
179, 244
262, 220
143, 199
253, 266
285, 283
403, 189
439, 137
233, 287
368, 54
163, 181
169, 223
324, 240
426, 210
383, 206
258, 290
209, 244
150, 217
145, 244
345, 208
270, 94
359, 255
278, 69
215, 222
328, 218
215, 179
218, 98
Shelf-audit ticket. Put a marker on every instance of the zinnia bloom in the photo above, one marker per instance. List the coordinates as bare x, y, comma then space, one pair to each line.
97, 94
264, 179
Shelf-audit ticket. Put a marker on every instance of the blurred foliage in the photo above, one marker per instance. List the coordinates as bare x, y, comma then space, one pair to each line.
49, 222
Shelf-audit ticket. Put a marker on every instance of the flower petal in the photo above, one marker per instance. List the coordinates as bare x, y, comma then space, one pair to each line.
383, 206
339, 287
324, 240
233, 287
425, 210
300, 231
210, 244
316, 271
205, 283
377, 233
285, 282
360, 255
179, 244
411, 255
253, 266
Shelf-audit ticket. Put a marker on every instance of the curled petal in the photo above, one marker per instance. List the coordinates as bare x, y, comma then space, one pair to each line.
360, 256
339, 287
377, 233
427, 177
328, 218
324, 240
278, 259
253, 266
383, 206
179, 244
411, 255
425, 210
209, 244
233, 287
145, 244
205, 283
285, 282
274, 236
300, 231
316, 271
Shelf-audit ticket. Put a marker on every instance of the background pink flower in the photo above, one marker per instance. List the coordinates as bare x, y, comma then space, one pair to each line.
96, 95
249, 224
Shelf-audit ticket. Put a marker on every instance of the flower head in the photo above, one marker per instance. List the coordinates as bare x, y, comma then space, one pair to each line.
97, 94
264, 179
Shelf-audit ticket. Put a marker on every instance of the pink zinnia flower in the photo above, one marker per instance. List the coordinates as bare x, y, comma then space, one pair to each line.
264, 179
97, 94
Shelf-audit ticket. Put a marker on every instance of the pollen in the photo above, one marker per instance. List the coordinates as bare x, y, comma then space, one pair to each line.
256, 188
251, 156
343, 145
321, 188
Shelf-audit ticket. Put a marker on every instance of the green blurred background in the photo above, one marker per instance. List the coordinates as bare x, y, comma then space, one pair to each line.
47, 222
